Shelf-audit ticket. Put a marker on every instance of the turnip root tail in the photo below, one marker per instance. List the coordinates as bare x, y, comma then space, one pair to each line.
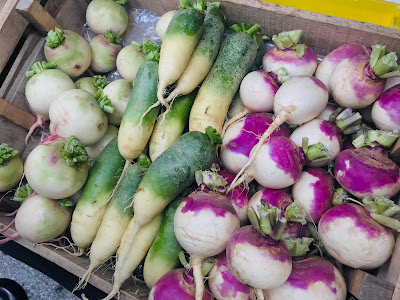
235, 118
198, 276
8, 226
244, 173
9, 238
38, 123
257, 294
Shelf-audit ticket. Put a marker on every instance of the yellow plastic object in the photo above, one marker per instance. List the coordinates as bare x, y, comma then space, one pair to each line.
378, 12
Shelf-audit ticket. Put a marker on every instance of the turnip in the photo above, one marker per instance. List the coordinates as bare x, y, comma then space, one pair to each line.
392, 81
11, 167
195, 222
312, 278
319, 131
94, 150
297, 59
298, 100
42, 89
68, 50
40, 219
76, 112
327, 112
358, 81
243, 135
102, 15
176, 284
223, 284
57, 169
333, 58
105, 49
386, 110
367, 171
119, 92
163, 22
353, 238
314, 191
91, 84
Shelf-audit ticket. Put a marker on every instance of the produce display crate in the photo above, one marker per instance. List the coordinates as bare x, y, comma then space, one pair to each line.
322, 33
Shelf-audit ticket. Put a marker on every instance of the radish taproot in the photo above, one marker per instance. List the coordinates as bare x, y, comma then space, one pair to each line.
297, 59
119, 92
57, 169
11, 167
105, 49
204, 54
68, 50
298, 100
236, 55
358, 81
91, 206
386, 110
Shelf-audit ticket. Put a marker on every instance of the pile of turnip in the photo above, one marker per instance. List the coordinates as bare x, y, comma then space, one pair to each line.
265, 204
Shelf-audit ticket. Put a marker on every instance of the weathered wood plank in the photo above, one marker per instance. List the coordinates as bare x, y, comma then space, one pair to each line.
16, 115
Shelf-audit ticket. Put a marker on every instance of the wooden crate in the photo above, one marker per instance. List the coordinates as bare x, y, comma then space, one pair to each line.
322, 33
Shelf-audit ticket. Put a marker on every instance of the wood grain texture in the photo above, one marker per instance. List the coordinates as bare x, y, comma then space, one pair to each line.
16, 115
102, 278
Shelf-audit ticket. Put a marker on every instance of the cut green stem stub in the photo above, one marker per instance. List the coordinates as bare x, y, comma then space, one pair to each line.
100, 81
214, 136
143, 160
295, 213
23, 192
104, 101
212, 180
386, 221
317, 152
347, 119
298, 246
55, 38
384, 66
112, 37
380, 205
253, 31
268, 221
121, 2
290, 40
38, 67
75, 153
6, 153
67, 203
339, 196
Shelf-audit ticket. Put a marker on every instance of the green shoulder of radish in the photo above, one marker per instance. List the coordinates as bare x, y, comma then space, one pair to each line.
105, 49
68, 50
237, 53
43, 87
11, 167
91, 84
57, 169
297, 59
102, 15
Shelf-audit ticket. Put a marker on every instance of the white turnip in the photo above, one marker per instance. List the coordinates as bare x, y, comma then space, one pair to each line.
11, 167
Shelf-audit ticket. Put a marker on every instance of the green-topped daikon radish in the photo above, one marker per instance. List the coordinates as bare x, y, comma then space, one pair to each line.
136, 252
163, 255
116, 218
95, 150
180, 40
169, 175
167, 131
91, 84
237, 54
11, 167
204, 54
97, 191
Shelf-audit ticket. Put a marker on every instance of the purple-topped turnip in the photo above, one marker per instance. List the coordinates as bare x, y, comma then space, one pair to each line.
119, 92
386, 110
68, 50
57, 169
333, 58
353, 238
312, 278
76, 112
11, 167
102, 15
223, 284
91, 84
176, 284
195, 223
367, 171
243, 135
358, 81
105, 49
314, 191
327, 112
297, 59
392, 81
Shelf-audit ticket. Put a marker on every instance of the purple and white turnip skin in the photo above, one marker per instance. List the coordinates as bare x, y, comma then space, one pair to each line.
332, 59
243, 135
176, 284
119, 92
129, 59
260, 262
195, 223
281, 200
102, 15
367, 172
392, 81
386, 110
72, 56
314, 191
104, 54
223, 284
326, 113
239, 196
77, 113
40, 219
319, 131
312, 278
354, 84
352, 237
